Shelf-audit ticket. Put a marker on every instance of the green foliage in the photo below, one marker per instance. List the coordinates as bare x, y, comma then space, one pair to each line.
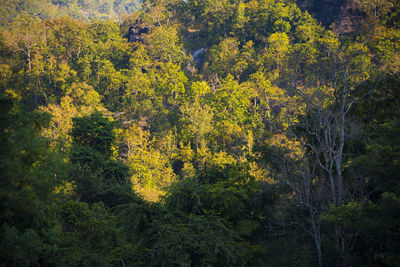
150, 169
98, 177
187, 240
198, 119
82, 9
164, 44
222, 57
25, 247
89, 235
95, 132
29, 173
277, 147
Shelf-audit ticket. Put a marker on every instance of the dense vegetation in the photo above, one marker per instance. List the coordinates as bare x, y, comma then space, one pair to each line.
84, 10
225, 133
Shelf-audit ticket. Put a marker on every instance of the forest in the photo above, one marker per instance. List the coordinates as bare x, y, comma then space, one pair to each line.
199, 133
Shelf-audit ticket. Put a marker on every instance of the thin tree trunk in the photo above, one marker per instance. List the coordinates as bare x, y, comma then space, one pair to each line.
339, 156
317, 238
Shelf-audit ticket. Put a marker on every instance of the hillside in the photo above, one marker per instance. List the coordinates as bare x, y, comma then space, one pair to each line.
200, 133
83, 10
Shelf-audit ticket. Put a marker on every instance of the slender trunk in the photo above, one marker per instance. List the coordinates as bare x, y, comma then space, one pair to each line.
29, 60
317, 238
333, 190
339, 156
329, 169
339, 175
339, 181
340, 246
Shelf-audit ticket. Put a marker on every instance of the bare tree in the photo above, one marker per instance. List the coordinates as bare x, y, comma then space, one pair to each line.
24, 37
321, 126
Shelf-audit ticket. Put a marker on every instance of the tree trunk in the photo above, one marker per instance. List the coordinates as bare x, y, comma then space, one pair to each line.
29, 60
339, 156
317, 238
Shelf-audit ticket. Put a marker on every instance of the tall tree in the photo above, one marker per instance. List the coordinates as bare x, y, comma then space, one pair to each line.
98, 177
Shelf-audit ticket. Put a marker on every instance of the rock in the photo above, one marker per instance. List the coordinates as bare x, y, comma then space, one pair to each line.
135, 32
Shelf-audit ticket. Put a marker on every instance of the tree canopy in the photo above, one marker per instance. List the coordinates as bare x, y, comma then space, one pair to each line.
199, 133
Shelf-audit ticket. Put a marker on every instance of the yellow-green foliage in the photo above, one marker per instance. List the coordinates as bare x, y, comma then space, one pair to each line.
278, 147
80, 100
151, 171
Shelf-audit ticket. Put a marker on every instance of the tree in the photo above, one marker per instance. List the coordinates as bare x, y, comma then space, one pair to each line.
151, 171
29, 176
288, 163
198, 117
25, 37
170, 82
98, 177
80, 100
70, 37
275, 54
230, 104
378, 170
329, 109
164, 44
188, 240
323, 129
222, 57
89, 235
265, 97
